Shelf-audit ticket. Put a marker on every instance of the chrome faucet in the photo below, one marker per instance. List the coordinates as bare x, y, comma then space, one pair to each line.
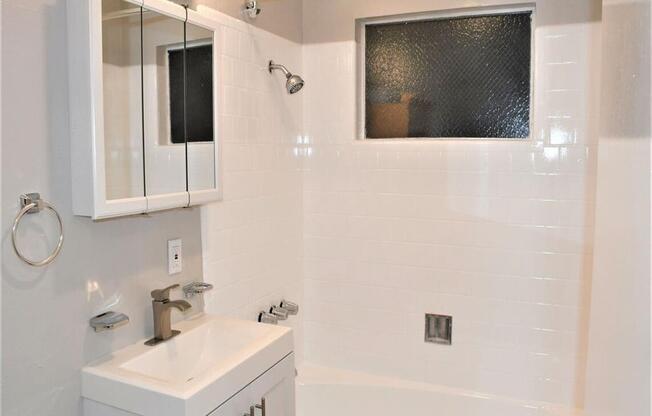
162, 306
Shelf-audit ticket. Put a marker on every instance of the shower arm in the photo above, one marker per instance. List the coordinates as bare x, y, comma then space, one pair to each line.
273, 66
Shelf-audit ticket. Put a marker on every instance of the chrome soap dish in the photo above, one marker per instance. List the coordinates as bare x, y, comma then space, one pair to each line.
196, 288
108, 320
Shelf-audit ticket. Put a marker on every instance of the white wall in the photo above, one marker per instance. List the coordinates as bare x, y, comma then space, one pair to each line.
252, 241
499, 235
281, 17
45, 334
618, 379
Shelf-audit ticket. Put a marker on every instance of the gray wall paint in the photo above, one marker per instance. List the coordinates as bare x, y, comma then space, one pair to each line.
45, 334
281, 17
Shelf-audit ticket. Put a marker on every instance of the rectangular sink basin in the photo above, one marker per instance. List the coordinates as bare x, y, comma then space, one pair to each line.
191, 374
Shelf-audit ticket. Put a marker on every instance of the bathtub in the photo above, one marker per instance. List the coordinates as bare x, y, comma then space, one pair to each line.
325, 391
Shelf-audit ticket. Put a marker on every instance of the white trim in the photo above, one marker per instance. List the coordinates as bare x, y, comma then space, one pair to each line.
104, 207
206, 20
166, 8
119, 207
167, 201
217, 131
199, 19
361, 25
86, 116
204, 196
449, 13
97, 107
165, 101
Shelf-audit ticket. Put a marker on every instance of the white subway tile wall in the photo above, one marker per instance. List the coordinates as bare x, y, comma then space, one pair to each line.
496, 234
252, 240
370, 236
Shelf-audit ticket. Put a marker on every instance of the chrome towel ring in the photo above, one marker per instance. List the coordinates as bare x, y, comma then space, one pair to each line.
31, 204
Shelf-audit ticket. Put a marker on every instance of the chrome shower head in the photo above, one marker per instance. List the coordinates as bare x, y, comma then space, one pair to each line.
293, 83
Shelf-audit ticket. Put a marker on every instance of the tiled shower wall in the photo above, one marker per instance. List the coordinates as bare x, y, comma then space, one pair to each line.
496, 234
252, 240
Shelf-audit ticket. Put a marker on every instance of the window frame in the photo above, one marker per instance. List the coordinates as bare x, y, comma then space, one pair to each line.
361, 48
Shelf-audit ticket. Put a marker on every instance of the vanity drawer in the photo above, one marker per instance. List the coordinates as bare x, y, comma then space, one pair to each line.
274, 389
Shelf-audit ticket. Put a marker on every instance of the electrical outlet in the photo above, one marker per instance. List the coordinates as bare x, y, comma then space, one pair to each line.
175, 256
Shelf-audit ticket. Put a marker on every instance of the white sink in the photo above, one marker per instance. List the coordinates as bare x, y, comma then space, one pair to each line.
191, 374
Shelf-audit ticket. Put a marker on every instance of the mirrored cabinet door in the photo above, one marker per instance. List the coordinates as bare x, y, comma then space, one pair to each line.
200, 128
122, 102
164, 111
143, 96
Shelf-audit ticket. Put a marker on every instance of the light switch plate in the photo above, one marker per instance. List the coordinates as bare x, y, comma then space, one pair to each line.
175, 256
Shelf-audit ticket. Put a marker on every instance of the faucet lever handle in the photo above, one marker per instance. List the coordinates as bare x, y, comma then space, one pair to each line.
161, 295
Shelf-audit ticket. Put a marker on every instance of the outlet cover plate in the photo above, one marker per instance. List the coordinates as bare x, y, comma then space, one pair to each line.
175, 256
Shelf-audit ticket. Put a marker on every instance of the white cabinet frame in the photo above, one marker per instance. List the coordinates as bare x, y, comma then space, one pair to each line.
87, 114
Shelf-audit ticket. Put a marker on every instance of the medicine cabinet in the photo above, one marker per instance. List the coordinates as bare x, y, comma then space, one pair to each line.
143, 102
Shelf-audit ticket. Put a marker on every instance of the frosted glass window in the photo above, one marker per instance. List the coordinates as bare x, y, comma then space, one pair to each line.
462, 77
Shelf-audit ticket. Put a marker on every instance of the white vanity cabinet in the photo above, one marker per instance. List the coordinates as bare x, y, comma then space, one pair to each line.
271, 394
217, 366
144, 90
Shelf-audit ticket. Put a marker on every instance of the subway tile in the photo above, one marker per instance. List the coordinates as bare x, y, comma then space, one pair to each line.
255, 234
496, 234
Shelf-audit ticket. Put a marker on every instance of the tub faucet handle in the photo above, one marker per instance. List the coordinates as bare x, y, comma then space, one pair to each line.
279, 312
291, 307
267, 318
